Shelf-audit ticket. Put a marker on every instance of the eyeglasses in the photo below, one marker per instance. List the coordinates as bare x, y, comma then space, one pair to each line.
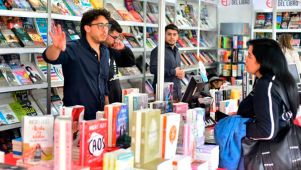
102, 25
115, 37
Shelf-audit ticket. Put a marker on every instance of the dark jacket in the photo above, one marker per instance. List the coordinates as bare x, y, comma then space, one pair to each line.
172, 60
122, 58
266, 106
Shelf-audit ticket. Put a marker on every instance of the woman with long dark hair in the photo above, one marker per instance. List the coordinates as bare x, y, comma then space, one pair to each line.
267, 62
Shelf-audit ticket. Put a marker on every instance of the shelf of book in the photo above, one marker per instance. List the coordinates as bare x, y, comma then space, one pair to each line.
11, 126
188, 48
27, 14
21, 50
289, 30
57, 84
66, 17
263, 30
23, 87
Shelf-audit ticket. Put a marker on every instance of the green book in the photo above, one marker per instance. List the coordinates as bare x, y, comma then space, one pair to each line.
23, 36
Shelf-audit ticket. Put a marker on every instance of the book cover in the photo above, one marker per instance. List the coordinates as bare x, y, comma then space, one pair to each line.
74, 7
128, 91
8, 114
146, 136
71, 32
93, 143
170, 127
9, 76
41, 26
37, 5
62, 143
132, 40
21, 74
74, 112
23, 37
3, 82
3, 120
158, 105
125, 15
3, 43
11, 38
36, 38
22, 5
37, 138
117, 116
32, 72
110, 7
59, 7
168, 95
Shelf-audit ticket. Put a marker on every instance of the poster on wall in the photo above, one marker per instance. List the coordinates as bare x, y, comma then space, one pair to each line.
264, 5
234, 3
288, 4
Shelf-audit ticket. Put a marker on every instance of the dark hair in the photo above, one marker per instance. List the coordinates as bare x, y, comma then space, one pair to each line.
91, 15
272, 61
115, 26
171, 27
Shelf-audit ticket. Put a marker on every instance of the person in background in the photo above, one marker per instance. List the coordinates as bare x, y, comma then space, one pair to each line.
172, 71
264, 104
291, 55
85, 62
120, 56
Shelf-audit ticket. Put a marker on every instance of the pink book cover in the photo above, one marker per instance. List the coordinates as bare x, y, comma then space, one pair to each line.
180, 108
93, 143
62, 143
187, 140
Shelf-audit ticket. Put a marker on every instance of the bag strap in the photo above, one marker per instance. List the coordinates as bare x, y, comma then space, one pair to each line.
288, 114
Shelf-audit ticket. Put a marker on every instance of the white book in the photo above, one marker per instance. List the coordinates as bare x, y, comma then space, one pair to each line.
170, 126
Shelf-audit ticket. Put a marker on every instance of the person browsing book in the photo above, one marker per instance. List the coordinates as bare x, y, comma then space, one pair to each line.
291, 55
85, 62
264, 104
120, 56
172, 71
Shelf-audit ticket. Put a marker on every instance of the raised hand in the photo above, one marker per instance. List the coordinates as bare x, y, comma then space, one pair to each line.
58, 37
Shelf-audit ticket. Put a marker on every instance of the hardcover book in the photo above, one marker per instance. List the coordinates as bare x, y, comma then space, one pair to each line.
9, 76
3, 43
146, 136
36, 38
8, 114
37, 5
93, 142
11, 38
170, 126
37, 138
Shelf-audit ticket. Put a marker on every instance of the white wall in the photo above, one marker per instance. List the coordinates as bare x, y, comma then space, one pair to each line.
235, 11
